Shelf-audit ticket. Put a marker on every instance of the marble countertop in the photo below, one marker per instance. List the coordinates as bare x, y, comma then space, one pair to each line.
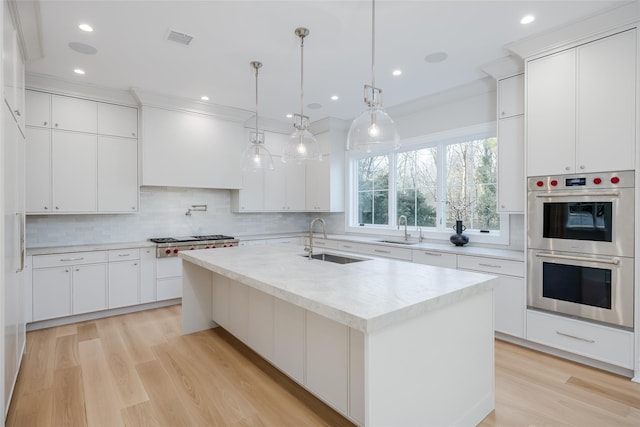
89, 247
366, 296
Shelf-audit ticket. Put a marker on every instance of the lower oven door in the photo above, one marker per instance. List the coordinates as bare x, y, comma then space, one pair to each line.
591, 287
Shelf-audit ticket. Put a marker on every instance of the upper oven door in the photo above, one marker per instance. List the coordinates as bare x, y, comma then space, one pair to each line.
586, 220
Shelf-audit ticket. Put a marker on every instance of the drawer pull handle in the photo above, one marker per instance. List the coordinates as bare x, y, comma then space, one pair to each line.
490, 265
72, 259
433, 253
575, 337
380, 251
124, 254
347, 246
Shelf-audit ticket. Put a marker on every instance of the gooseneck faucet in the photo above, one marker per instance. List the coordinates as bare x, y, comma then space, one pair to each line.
400, 218
324, 232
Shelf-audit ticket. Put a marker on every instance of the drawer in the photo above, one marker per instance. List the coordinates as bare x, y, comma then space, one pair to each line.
610, 345
124, 254
361, 248
321, 243
491, 265
438, 259
383, 251
70, 258
168, 267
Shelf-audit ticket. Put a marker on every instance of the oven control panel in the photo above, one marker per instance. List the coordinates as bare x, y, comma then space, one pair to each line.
589, 181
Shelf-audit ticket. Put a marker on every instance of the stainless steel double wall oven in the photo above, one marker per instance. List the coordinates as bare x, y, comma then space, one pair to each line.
581, 246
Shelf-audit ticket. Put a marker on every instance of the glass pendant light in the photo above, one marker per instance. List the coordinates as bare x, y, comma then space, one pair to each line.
302, 144
374, 129
256, 157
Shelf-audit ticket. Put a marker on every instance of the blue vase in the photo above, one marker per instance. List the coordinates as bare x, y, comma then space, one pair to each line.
459, 239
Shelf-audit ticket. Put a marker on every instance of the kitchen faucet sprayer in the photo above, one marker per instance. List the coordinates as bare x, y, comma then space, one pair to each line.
324, 232
400, 218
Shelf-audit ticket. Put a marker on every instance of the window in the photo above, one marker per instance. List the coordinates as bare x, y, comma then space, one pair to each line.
432, 182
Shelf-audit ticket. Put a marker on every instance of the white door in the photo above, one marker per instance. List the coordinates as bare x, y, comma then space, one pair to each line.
39, 107
74, 171
251, 196
51, 292
511, 174
275, 195
117, 174
295, 186
117, 120
38, 169
147, 275
89, 292
74, 114
124, 283
318, 183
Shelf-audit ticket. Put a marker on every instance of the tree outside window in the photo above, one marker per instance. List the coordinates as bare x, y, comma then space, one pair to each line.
373, 190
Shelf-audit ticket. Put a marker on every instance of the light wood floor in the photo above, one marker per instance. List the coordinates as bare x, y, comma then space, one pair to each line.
138, 370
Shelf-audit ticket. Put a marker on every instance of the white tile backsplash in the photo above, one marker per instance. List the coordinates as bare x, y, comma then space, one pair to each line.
162, 213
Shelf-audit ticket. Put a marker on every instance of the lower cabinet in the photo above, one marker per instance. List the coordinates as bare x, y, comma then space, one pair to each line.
168, 278
51, 293
147, 275
324, 356
124, 280
89, 288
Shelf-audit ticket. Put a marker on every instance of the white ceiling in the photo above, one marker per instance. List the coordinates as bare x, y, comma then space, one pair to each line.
132, 50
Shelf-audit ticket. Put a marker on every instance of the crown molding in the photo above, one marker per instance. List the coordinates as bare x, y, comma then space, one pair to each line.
504, 67
65, 87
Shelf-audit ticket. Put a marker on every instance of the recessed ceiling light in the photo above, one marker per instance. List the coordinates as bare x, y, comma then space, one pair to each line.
397, 73
78, 71
334, 97
314, 106
528, 19
204, 98
86, 27
289, 116
436, 57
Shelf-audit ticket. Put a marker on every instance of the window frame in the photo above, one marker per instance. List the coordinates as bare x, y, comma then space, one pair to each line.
439, 139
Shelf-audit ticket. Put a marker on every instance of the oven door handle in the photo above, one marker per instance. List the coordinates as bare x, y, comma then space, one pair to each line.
590, 194
613, 261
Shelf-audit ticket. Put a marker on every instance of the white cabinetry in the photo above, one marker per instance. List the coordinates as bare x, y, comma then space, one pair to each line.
325, 179
13, 65
435, 258
74, 171
124, 277
578, 100
327, 360
260, 335
511, 174
284, 187
509, 292
288, 339
147, 275
168, 278
182, 149
238, 323
69, 283
117, 174
71, 168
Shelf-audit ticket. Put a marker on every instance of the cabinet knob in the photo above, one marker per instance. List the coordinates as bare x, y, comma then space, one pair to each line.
503, 113
581, 166
133, 207
502, 206
56, 125
133, 134
77, 269
44, 124
66, 271
135, 263
57, 207
567, 168
46, 208
17, 112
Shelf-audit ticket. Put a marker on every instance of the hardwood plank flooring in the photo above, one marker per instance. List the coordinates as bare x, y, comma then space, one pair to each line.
138, 370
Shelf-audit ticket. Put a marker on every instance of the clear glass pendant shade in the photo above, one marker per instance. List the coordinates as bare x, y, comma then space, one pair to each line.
302, 145
256, 157
373, 130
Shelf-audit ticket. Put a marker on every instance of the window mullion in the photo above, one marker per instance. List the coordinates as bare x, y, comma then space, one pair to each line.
393, 193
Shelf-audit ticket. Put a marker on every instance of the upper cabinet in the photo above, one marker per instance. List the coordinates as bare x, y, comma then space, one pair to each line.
511, 175
81, 155
183, 149
13, 66
581, 108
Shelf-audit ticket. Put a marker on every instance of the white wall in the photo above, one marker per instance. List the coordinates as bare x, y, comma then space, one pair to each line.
162, 214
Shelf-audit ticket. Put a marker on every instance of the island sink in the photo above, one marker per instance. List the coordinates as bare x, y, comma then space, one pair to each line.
338, 259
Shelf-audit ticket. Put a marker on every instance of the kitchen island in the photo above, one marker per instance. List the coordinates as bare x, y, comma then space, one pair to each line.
385, 343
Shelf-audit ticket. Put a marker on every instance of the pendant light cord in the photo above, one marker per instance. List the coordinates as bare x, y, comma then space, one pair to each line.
301, 74
373, 43
257, 105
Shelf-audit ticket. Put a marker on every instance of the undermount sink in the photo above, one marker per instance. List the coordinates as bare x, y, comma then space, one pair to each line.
398, 242
338, 259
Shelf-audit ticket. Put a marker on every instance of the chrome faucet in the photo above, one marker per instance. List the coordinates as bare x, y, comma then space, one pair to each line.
400, 218
324, 232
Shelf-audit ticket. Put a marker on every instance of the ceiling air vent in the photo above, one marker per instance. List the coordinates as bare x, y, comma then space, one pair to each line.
178, 37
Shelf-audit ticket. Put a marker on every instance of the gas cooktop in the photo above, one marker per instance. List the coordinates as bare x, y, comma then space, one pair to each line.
190, 238
171, 246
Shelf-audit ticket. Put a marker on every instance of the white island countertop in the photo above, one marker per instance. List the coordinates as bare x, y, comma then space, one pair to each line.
367, 296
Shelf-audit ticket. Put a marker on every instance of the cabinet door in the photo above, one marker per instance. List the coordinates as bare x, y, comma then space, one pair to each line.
251, 195
607, 104
275, 187
288, 338
551, 94
89, 292
327, 360
510, 304
124, 283
318, 185
117, 120
238, 310
38, 170
51, 293
147, 275
74, 171
39, 106
511, 175
511, 96
260, 330
74, 114
168, 288
295, 186
117, 174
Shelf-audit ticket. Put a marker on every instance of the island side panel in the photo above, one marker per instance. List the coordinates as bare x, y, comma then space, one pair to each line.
433, 370
196, 298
